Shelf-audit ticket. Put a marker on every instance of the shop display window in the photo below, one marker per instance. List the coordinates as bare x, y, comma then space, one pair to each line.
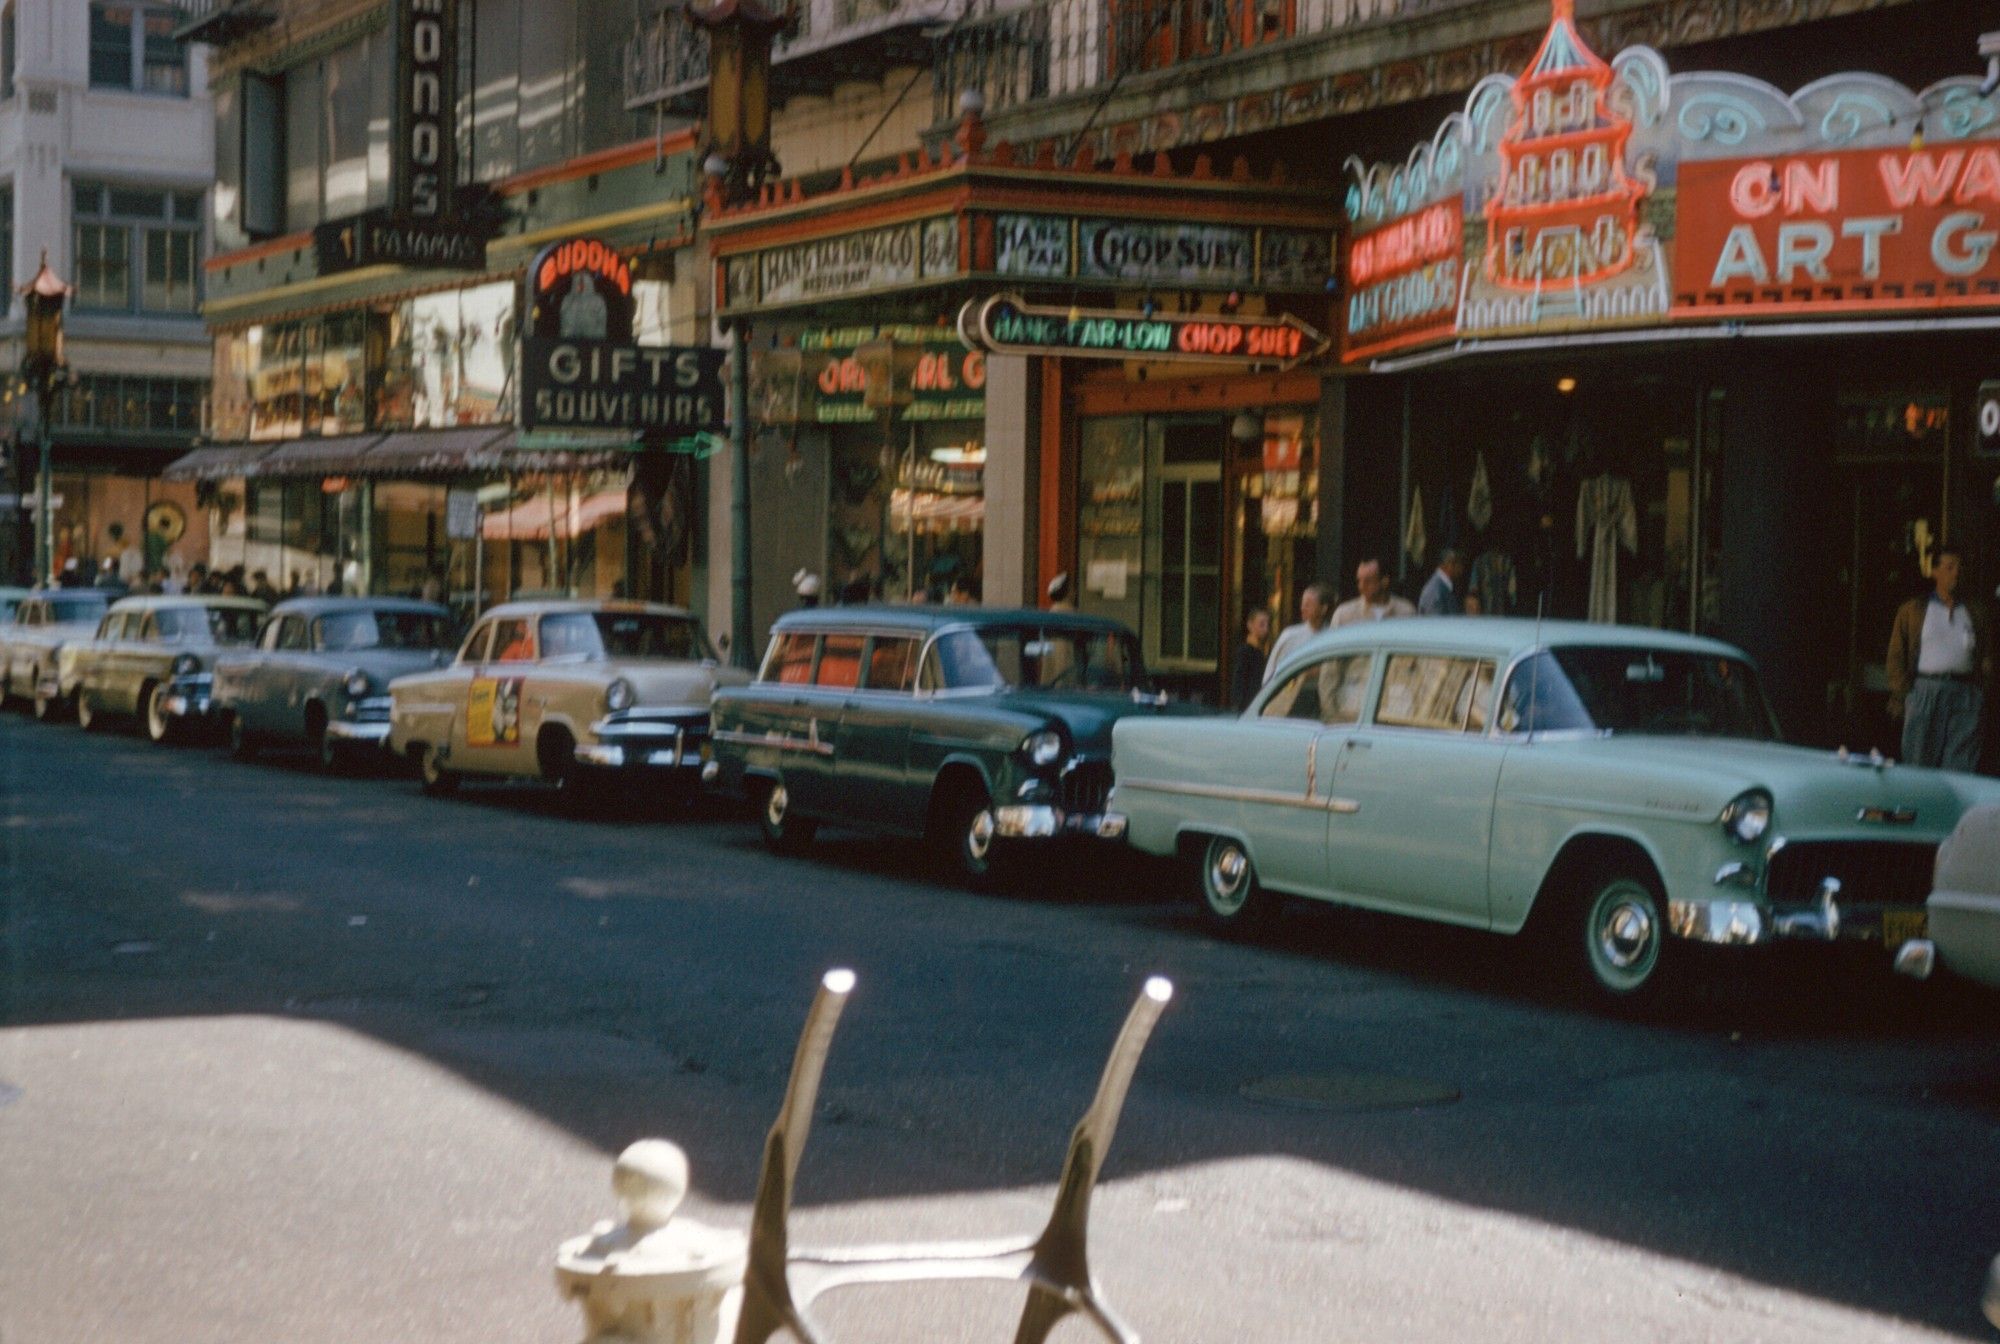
450, 359
933, 540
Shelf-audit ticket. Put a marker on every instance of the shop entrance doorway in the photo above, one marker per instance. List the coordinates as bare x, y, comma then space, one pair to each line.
1892, 456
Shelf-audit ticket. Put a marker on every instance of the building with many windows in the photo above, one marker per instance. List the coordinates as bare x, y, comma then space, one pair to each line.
106, 156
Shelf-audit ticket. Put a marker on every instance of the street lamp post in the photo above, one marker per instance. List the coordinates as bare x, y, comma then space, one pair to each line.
740, 33
42, 363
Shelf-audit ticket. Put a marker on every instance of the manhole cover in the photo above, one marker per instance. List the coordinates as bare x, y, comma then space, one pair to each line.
1350, 1091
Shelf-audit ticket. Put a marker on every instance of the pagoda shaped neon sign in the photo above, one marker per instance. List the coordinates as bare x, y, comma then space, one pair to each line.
1566, 212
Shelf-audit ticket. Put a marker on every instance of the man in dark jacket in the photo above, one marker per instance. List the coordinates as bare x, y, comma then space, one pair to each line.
1246, 676
1940, 658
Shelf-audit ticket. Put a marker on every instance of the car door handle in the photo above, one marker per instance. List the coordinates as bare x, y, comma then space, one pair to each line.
1342, 807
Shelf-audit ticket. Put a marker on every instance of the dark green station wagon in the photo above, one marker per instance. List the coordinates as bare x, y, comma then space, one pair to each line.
977, 729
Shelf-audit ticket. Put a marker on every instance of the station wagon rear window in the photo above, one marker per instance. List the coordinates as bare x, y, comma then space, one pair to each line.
791, 659
1035, 658
221, 625
839, 661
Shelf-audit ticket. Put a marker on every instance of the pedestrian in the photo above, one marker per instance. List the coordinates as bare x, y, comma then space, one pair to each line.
1248, 670
433, 588
1315, 610
805, 584
1442, 595
71, 574
1059, 593
260, 587
130, 559
1376, 601
1940, 659
108, 577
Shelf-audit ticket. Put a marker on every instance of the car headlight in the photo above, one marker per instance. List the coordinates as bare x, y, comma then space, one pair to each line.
356, 684
186, 665
1748, 817
1044, 747
619, 695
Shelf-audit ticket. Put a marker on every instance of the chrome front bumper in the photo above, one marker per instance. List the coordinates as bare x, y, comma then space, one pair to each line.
1045, 821
371, 734
643, 745
1740, 922
188, 698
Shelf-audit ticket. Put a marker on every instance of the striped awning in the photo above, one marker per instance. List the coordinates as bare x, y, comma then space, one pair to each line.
215, 463
344, 455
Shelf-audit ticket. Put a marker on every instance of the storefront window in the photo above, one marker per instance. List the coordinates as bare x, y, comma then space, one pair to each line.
937, 512
458, 348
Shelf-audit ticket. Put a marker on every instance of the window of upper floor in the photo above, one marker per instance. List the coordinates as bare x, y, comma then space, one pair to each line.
136, 248
132, 47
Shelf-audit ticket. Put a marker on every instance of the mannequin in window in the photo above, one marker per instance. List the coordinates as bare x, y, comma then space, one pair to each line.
1606, 520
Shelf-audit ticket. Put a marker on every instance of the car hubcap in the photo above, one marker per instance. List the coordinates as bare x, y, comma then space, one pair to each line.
1625, 937
979, 835
1228, 879
774, 807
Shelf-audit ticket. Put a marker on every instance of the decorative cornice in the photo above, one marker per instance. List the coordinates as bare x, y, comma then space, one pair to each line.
1362, 77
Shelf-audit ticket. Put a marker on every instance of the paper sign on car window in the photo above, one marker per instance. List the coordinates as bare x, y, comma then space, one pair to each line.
493, 712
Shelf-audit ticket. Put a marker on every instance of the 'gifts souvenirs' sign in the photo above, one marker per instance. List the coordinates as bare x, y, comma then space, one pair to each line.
1594, 194
579, 366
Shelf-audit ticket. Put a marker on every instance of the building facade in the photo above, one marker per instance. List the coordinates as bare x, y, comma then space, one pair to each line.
105, 164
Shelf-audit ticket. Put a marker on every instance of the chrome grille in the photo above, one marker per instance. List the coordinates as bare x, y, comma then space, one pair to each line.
1871, 872
1086, 786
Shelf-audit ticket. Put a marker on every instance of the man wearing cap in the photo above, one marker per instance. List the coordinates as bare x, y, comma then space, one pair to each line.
1940, 656
1059, 598
806, 584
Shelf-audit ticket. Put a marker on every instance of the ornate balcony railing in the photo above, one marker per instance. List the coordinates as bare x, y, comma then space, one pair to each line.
1018, 54
223, 21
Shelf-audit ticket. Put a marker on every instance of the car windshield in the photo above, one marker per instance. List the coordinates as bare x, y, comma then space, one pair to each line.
1652, 692
64, 609
1039, 658
347, 631
218, 625
623, 634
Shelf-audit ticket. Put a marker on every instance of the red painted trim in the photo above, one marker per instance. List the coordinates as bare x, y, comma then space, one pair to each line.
291, 242
603, 161
1115, 395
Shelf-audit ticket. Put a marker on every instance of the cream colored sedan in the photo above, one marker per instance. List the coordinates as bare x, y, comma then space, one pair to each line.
581, 694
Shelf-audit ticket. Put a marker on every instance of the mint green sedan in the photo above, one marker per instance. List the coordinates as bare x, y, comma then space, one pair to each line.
1610, 788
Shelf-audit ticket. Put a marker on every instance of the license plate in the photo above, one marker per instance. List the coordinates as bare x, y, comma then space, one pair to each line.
1900, 926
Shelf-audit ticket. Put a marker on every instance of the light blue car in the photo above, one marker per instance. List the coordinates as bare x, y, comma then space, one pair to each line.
1611, 788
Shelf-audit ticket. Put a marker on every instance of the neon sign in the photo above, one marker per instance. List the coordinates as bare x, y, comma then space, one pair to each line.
427, 97
1006, 325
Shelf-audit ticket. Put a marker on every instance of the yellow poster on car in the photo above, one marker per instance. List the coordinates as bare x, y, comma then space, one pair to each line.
493, 712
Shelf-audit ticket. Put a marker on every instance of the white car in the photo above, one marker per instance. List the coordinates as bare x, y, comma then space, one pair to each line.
1963, 912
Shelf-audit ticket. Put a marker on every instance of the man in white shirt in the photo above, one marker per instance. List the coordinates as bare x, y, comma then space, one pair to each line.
1376, 602
1315, 609
1938, 664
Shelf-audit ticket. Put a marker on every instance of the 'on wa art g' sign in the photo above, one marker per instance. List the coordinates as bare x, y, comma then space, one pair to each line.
1588, 194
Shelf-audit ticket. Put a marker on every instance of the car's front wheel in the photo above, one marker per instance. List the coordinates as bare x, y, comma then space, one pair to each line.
1623, 937
160, 726
965, 837
438, 780
48, 708
784, 831
1233, 902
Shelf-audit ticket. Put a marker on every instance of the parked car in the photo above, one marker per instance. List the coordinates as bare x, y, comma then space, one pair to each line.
974, 729
1614, 788
152, 659
31, 644
320, 673
1962, 914
576, 693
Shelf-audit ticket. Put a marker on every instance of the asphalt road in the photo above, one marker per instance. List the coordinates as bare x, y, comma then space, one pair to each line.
292, 1057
